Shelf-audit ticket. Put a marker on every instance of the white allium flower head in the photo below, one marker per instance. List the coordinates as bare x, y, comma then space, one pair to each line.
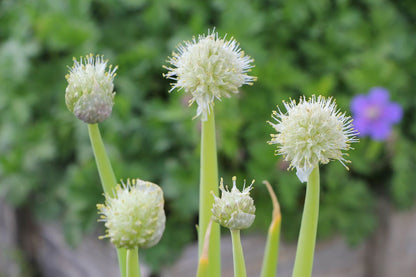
311, 132
134, 217
89, 94
235, 209
208, 68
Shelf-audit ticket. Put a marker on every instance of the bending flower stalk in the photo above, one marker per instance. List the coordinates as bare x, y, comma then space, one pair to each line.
105, 170
90, 97
271, 253
108, 179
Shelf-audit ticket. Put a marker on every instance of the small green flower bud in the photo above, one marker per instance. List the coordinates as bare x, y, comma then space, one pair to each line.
134, 217
235, 209
89, 94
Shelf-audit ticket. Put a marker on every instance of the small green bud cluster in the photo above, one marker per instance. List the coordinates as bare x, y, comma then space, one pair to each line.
234, 210
134, 217
89, 94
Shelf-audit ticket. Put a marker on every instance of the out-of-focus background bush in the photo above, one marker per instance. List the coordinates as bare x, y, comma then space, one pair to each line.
334, 48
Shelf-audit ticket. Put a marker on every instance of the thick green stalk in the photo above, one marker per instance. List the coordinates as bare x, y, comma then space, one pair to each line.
107, 177
132, 264
307, 236
208, 183
238, 256
271, 253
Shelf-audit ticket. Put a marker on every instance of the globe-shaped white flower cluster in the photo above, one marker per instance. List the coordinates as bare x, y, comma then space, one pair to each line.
89, 94
312, 132
209, 68
134, 217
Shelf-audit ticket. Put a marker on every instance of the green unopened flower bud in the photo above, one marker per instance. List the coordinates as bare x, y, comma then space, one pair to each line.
89, 94
235, 209
134, 217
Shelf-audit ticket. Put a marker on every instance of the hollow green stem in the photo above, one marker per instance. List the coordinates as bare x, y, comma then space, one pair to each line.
271, 253
132, 263
238, 256
208, 183
107, 177
307, 236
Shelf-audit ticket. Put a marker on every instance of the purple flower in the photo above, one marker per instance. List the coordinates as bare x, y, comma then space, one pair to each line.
374, 114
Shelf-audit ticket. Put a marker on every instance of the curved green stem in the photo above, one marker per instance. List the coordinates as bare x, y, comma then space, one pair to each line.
238, 256
307, 236
132, 263
105, 170
107, 177
271, 253
208, 183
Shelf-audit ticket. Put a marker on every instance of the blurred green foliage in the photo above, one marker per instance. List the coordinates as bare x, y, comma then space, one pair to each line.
337, 48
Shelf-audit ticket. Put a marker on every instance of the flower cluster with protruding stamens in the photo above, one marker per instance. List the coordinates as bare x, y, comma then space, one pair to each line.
234, 210
89, 94
311, 132
209, 68
134, 217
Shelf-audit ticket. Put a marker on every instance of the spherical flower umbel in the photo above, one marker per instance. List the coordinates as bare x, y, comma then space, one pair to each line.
89, 94
208, 68
311, 132
374, 114
234, 210
134, 217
